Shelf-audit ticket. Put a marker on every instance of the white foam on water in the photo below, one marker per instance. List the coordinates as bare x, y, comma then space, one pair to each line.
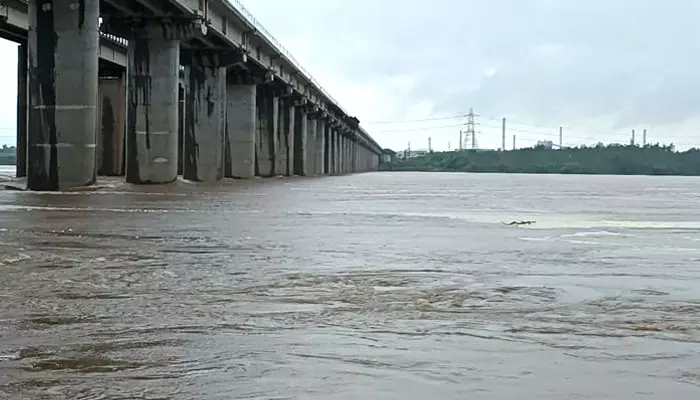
581, 242
14, 259
541, 222
536, 239
592, 233
17, 207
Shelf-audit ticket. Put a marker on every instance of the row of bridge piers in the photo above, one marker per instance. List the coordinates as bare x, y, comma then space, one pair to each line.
202, 113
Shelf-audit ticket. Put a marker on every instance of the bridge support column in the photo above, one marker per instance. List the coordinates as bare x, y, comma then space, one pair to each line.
112, 117
327, 150
341, 149
363, 159
301, 125
353, 155
180, 126
63, 48
310, 148
205, 111
320, 146
360, 158
279, 152
265, 143
286, 127
336, 152
22, 100
241, 129
152, 119
346, 155
331, 150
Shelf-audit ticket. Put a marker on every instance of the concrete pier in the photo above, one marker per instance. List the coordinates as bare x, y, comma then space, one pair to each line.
354, 156
205, 106
343, 154
180, 126
112, 120
320, 150
241, 129
152, 118
347, 156
330, 155
63, 46
310, 149
336, 152
280, 151
22, 100
327, 154
339, 153
286, 128
267, 106
301, 124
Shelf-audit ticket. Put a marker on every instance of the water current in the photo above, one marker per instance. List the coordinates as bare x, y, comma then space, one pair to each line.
368, 286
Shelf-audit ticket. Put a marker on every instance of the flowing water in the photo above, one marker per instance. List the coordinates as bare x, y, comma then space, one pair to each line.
376, 286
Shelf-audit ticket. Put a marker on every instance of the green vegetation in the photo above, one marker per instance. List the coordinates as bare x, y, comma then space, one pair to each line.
610, 160
8, 155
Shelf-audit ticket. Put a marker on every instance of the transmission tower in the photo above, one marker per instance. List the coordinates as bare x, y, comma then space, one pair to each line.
470, 134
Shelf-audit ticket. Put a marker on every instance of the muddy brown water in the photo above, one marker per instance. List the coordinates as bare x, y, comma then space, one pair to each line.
377, 286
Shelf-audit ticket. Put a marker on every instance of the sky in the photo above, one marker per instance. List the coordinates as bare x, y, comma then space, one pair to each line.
597, 68
410, 70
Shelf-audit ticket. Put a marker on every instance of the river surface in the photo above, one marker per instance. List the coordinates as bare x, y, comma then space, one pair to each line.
369, 286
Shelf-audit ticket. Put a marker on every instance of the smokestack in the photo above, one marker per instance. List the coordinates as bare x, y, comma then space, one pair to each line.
503, 134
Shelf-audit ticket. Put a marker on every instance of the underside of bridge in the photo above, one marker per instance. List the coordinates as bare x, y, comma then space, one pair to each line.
185, 102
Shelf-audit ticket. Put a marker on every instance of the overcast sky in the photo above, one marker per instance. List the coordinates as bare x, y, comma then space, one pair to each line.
599, 68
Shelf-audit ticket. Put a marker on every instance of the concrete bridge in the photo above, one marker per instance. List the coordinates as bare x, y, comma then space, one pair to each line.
151, 89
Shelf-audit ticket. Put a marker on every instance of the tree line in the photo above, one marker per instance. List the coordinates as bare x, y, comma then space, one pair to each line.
8, 155
654, 159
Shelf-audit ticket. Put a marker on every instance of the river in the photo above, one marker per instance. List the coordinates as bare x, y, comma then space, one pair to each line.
377, 286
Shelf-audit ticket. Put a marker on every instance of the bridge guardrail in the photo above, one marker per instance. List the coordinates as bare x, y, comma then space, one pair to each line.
113, 38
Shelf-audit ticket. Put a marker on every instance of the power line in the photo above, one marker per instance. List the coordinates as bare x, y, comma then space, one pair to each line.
421, 129
416, 120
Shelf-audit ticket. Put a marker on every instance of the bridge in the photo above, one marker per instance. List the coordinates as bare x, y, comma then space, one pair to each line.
151, 89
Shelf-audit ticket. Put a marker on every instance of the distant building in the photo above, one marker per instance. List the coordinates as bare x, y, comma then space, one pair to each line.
546, 144
414, 153
388, 155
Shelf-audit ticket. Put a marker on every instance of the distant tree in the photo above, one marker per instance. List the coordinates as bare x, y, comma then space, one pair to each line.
655, 159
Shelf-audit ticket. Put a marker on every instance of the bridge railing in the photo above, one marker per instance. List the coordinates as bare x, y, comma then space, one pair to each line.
115, 39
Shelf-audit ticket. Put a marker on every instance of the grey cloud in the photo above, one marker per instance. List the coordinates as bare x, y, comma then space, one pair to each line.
632, 59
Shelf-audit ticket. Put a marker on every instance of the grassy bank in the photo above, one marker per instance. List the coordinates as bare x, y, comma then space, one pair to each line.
608, 160
8, 155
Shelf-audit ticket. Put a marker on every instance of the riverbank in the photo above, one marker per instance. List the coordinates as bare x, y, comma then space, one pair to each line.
8, 155
599, 160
